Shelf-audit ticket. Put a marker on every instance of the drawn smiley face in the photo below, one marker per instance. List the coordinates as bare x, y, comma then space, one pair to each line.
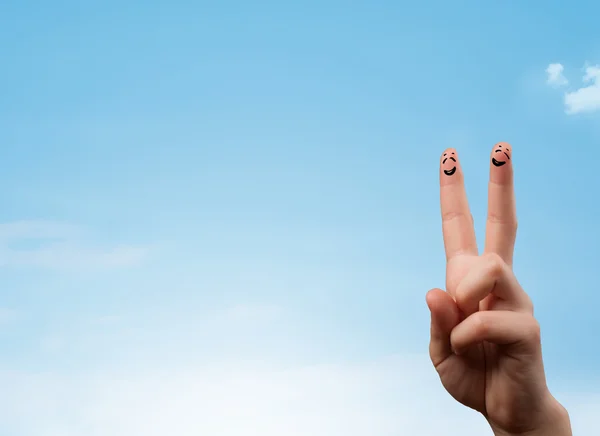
501, 154
449, 157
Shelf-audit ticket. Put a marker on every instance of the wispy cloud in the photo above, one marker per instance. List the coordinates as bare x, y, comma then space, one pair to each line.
246, 314
586, 98
106, 320
398, 394
555, 75
60, 246
583, 99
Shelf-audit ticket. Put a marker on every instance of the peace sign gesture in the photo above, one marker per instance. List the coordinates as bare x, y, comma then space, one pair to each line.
485, 342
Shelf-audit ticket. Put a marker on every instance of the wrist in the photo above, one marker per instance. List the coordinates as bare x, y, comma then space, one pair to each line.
553, 420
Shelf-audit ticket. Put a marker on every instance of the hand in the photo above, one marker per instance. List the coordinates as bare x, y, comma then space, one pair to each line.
485, 342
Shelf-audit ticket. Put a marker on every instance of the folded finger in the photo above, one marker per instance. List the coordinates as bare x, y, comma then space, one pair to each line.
518, 330
491, 274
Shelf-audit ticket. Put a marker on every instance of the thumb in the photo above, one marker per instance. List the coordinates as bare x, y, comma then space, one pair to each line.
445, 315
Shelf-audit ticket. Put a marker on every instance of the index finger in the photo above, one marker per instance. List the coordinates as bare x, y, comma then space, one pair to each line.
457, 222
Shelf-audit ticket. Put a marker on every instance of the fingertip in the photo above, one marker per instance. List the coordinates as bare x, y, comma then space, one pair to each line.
449, 166
444, 311
504, 145
448, 152
432, 298
501, 163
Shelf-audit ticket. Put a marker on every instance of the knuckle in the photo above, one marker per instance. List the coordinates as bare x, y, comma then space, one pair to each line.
462, 299
466, 299
496, 218
494, 264
481, 324
534, 331
453, 215
528, 304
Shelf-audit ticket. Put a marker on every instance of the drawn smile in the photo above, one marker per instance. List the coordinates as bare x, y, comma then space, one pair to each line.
450, 172
499, 163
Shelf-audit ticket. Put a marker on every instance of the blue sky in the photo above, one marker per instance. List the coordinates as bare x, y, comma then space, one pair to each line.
241, 199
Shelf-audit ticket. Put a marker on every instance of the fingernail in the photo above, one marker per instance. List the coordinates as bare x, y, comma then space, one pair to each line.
457, 352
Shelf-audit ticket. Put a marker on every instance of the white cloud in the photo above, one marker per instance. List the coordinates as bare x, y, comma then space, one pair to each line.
555, 75
587, 98
37, 229
52, 245
390, 396
244, 395
69, 256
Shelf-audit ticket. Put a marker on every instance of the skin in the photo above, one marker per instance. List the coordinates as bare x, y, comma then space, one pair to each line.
485, 342
449, 165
